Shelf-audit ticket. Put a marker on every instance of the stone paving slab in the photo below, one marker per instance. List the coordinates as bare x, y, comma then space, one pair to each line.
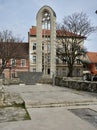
46, 96
51, 118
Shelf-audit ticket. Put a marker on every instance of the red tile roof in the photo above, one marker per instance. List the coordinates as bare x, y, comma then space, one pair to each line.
33, 31
59, 33
92, 57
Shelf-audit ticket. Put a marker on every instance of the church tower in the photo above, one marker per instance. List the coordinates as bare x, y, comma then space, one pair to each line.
46, 41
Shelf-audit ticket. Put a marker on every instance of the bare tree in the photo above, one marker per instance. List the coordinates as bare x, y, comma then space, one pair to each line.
9, 47
7, 36
72, 32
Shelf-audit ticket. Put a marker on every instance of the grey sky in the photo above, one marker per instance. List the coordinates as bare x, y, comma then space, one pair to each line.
20, 15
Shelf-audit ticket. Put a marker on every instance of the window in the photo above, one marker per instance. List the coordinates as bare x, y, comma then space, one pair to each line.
13, 62
96, 66
78, 61
64, 60
34, 69
46, 20
42, 46
34, 46
78, 72
23, 62
49, 47
12, 75
64, 72
34, 59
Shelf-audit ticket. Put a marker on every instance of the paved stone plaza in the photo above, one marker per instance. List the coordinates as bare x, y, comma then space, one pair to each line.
49, 108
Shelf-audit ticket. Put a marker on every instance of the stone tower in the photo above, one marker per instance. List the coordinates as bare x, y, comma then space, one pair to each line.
46, 36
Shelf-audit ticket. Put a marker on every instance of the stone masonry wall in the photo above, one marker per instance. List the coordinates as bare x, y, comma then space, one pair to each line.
77, 84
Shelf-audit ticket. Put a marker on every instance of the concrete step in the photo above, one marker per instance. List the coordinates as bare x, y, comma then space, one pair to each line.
59, 104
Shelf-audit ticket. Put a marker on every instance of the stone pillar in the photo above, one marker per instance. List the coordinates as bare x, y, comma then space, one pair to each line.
39, 43
53, 46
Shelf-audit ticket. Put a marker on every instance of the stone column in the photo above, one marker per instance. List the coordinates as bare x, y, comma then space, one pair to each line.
53, 46
39, 43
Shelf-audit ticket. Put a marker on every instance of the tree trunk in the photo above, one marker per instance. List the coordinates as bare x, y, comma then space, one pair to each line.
1, 71
70, 69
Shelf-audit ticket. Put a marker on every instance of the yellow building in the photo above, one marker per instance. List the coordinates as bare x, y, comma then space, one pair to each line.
44, 40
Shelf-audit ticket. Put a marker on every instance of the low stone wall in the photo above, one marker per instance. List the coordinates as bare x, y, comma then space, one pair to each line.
11, 81
77, 84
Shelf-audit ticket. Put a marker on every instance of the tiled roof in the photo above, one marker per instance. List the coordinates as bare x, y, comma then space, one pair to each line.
92, 56
19, 50
59, 33
33, 31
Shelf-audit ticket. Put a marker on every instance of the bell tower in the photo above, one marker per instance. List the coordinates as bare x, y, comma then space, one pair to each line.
46, 41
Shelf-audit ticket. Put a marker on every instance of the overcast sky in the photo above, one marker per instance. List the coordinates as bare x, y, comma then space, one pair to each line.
19, 15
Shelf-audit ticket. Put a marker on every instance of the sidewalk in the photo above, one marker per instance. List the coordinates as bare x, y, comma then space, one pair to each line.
49, 107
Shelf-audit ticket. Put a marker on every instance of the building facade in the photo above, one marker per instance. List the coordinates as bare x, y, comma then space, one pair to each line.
39, 54
18, 60
91, 62
43, 42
